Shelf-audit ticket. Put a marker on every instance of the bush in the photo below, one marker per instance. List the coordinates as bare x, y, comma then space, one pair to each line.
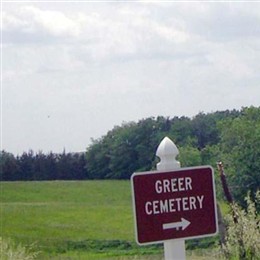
10, 251
243, 231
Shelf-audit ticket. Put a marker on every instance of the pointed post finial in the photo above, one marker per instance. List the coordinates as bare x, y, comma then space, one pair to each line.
167, 151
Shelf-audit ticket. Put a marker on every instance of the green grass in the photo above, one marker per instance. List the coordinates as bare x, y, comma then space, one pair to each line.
73, 219
53, 213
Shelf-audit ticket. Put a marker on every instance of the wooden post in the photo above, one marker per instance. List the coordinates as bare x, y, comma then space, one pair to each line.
167, 152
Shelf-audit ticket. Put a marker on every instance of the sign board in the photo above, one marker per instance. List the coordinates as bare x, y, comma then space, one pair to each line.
177, 204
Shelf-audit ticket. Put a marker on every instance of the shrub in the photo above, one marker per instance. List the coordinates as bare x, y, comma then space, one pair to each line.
10, 251
243, 231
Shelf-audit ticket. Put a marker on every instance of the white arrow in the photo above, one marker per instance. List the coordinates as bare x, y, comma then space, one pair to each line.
182, 224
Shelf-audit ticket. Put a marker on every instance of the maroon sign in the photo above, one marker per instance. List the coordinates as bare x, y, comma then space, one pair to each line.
174, 204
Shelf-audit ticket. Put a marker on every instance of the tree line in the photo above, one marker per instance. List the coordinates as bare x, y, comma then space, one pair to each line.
231, 136
39, 166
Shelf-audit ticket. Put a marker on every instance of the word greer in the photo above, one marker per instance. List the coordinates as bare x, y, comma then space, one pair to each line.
173, 204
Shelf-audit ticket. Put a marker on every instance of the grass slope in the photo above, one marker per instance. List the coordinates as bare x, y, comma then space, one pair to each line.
72, 219
55, 213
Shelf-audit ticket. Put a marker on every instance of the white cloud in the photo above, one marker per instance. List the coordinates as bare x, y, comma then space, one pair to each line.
30, 20
126, 31
91, 66
228, 62
54, 22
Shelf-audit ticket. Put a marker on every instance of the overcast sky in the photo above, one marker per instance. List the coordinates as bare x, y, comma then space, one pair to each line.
72, 71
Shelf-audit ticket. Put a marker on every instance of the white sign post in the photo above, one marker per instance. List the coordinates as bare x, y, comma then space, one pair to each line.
167, 152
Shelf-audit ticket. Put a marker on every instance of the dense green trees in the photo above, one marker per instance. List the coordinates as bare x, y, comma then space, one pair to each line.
230, 136
8, 167
30, 166
240, 146
131, 147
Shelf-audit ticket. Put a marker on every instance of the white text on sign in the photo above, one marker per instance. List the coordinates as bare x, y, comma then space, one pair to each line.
173, 204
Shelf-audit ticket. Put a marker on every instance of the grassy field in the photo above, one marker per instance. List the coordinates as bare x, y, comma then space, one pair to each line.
73, 219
